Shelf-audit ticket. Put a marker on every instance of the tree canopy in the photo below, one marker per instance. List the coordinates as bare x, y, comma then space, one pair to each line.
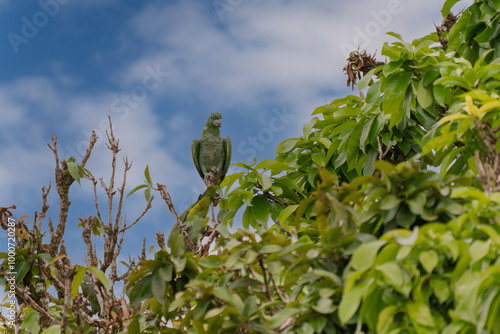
382, 217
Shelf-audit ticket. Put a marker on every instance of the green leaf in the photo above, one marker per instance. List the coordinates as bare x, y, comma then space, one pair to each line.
248, 218
420, 313
440, 289
230, 179
134, 327
147, 194
363, 140
261, 208
392, 273
147, 176
424, 95
54, 329
346, 112
265, 181
73, 170
417, 203
307, 128
429, 260
319, 158
45, 257
325, 306
158, 286
393, 108
283, 216
21, 269
396, 85
137, 188
386, 318
30, 320
287, 145
389, 202
363, 83
223, 294
268, 249
350, 302
243, 282
276, 167
77, 281
365, 255
279, 318
447, 6
395, 35
479, 249
166, 272
100, 276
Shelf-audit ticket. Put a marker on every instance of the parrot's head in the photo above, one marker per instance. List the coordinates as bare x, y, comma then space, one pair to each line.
215, 119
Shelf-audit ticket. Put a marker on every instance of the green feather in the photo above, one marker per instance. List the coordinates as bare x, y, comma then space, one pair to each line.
211, 150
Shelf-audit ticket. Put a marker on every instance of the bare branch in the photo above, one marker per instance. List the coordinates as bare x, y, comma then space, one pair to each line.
160, 239
283, 297
182, 229
93, 140
143, 253
284, 230
148, 206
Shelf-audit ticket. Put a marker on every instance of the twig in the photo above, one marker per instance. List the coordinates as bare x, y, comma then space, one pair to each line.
148, 206
93, 140
213, 235
121, 191
284, 298
272, 197
160, 239
283, 229
381, 152
182, 229
287, 323
45, 206
266, 283
143, 253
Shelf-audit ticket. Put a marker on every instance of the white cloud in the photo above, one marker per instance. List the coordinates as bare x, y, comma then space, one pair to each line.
267, 51
34, 107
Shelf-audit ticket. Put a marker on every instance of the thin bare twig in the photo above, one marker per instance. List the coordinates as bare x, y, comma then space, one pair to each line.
143, 253
148, 206
283, 229
182, 229
266, 283
284, 298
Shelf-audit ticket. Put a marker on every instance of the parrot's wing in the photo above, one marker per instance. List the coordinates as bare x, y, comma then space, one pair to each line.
226, 143
195, 151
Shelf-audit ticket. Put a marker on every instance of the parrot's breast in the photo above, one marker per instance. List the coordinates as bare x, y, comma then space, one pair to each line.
211, 153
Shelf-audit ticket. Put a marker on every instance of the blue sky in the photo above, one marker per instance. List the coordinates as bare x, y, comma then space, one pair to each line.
159, 68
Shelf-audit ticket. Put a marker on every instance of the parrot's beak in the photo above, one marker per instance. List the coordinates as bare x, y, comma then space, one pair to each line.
217, 123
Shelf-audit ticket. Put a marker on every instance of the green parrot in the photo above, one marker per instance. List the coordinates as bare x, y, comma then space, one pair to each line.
195, 220
211, 153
